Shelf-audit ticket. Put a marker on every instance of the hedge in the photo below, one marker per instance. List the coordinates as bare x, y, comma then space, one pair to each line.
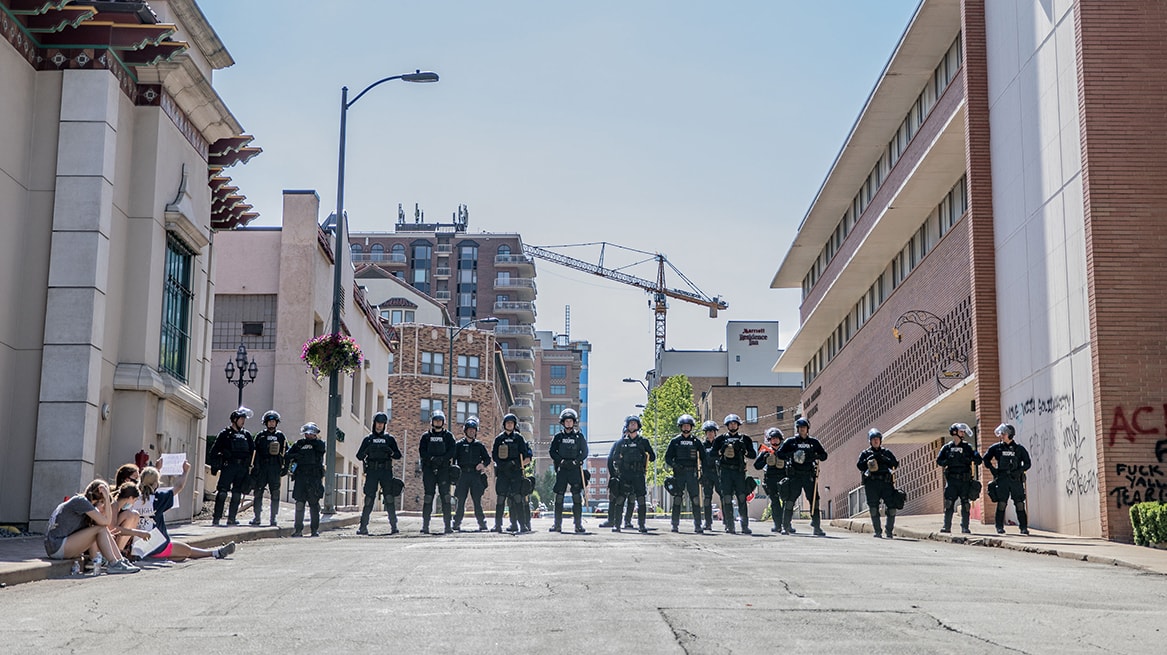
1150, 523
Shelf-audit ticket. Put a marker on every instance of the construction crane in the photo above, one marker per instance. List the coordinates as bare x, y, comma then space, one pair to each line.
660, 293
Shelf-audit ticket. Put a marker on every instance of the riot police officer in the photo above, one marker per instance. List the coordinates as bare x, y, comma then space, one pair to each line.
804, 452
709, 472
306, 464
1008, 461
877, 464
268, 467
569, 451
684, 456
508, 453
230, 457
472, 458
631, 457
436, 451
377, 451
958, 460
775, 472
733, 449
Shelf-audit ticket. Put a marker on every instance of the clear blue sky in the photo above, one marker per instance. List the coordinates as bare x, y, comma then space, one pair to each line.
698, 129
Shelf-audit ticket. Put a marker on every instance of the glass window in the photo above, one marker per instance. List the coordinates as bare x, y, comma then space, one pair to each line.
468, 366
556, 409
558, 371
428, 407
504, 249
377, 252
781, 413
392, 367
465, 409
177, 298
356, 251
559, 390
751, 414
431, 363
389, 408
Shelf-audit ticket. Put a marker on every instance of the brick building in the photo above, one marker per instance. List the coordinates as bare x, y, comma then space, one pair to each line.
982, 250
562, 383
419, 383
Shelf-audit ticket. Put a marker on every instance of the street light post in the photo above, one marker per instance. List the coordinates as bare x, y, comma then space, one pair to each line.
247, 371
450, 366
655, 433
334, 377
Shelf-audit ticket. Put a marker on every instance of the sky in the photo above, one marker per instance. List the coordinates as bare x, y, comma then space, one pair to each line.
700, 130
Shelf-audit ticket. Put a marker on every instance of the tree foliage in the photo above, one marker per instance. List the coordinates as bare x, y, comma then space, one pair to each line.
666, 403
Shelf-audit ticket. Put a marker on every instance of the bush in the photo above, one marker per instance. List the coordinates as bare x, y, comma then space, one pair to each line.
1150, 523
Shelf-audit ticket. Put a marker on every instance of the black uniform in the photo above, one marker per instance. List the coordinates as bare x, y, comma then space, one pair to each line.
733, 450
468, 455
804, 454
508, 452
709, 476
306, 464
1008, 463
775, 472
684, 455
231, 455
377, 451
958, 461
877, 465
437, 452
630, 457
569, 451
267, 470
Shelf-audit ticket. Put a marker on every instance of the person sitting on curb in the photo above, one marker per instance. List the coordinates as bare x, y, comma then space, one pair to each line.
81, 525
151, 507
126, 517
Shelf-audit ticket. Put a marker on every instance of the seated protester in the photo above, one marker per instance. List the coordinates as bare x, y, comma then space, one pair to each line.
151, 508
81, 525
125, 473
125, 526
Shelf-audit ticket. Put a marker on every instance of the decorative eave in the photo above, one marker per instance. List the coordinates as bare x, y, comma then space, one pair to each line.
196, 25
193, 94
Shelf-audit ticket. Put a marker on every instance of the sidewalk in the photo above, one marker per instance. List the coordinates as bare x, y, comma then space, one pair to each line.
1086, 549
22, 559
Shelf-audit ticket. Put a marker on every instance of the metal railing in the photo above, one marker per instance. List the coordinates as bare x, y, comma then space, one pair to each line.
856, 501
346, 490
379, 257
441, 295
515, 330
514, 259
514, 306
522, 378
443, 271
523, 402
514, 283
518, 353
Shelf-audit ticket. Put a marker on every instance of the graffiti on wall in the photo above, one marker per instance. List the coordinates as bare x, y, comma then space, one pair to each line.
1057, 438
1129, 425
1135, 482
1138, 483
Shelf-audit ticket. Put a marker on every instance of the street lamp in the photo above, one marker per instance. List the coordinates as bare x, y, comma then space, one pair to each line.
247, 371
450, 363
655, 419
334, 378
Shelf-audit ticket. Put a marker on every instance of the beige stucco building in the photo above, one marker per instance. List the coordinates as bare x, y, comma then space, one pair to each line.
111, 131
278, 283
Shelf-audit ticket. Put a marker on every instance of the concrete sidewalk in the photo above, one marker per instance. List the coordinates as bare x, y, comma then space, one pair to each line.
22, 559
1086, 549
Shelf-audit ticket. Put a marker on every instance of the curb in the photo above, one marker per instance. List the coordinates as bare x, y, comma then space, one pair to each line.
986, 541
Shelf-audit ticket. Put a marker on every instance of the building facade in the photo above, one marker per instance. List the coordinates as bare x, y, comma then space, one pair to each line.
978, 250
112, 151
273, 294
562, 377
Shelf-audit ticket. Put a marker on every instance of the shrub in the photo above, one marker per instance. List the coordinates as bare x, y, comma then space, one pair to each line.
1150, 523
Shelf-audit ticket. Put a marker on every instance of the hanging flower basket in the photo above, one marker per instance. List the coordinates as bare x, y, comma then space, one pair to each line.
329, 353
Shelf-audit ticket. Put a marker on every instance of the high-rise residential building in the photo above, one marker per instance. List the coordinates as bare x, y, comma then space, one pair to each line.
988, 247
475, 275
563, 383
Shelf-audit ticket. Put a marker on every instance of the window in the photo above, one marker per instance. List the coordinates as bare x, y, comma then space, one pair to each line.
504, 249
468, 366
781, 413
558, 371
389, 408
751, 414
397, 253
559, 390
556, 409
428, 407
431, 363
177, 298
354, 397
465, 409
553, 429
249, 319
401, 316
377, 252
392, 366
356, 250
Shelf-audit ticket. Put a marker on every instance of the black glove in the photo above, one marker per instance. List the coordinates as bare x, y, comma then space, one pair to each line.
214, 470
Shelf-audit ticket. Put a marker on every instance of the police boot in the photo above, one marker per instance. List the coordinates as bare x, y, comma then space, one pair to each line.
298, 525
220, 499
391, 509
315, 521
676, 515
948, 511
628, 515
557, 526
641, 511
891, 522
744, 509
964, 511
787, 517
446, 521
816, 524
427, 508
776, 515
1000, 518
499, 507
366, 512
1023, 519
257, 505
275, 509
577, 514
709, 513
874, 512
233, 508
446, 514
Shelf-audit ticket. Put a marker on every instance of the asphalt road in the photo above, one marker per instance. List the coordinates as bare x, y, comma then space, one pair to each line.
600, 592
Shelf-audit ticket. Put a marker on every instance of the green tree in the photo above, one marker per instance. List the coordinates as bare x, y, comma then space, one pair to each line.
666, 403
545, 487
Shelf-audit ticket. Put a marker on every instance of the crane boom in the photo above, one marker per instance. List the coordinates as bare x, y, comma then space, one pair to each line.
659, 291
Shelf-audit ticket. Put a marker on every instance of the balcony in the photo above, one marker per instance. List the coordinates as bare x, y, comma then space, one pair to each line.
522, 382
379, 258
443, 249
524, 335
442, 271
522, 262
524, 311
518, 355
526, 427
523, 287
442, 295
523, 407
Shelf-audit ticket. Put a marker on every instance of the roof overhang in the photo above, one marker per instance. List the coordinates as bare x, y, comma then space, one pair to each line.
939, 168
928, 36
932, 420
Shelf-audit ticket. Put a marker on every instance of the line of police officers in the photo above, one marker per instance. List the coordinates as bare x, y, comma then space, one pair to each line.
789, 465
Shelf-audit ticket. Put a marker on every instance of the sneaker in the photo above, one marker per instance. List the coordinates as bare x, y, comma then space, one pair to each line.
121, 566
224, 550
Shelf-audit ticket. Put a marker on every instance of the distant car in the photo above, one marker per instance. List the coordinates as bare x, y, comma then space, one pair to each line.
716, 513
602, 508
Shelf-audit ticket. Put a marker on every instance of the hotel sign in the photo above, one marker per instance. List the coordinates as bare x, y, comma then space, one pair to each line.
753, 336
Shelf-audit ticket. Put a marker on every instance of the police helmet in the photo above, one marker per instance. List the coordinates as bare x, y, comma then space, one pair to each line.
802, 423
527, 486
1005, 429
396, 486
271, 415
241, 412
380, 417
732, 418
568, 413
454, 473
686, 419
773, 432
874, 433
955, 427
471, 422
709, 426
510, 417
438, 415
671, 486
630, 418
310, 428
